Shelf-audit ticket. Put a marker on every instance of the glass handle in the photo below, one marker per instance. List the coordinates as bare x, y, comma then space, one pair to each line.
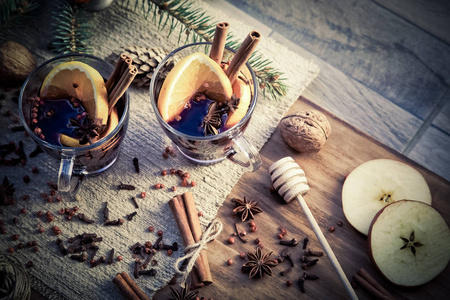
65, 184
244, 154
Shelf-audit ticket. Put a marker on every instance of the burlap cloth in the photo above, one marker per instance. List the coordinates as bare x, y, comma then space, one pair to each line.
58, 277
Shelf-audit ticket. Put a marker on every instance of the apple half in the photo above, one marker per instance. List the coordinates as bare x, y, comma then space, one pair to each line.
377, 183
409, 242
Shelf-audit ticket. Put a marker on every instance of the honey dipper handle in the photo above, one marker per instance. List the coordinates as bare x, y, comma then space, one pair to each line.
327, 247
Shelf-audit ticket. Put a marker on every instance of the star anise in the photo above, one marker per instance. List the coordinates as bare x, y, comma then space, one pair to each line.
183, 294
259, 263
247, 208
212, 120
409, 243
87, 129
231, 105
7, 190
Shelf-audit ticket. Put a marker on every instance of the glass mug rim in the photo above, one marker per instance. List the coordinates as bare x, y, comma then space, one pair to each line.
195, 137
64, 148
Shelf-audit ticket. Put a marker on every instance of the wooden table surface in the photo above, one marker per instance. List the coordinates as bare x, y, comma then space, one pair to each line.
326, 171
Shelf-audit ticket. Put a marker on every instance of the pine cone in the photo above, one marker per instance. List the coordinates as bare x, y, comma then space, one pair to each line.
145, 59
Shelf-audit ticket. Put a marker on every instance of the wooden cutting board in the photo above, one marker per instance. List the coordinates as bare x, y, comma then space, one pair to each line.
326, 171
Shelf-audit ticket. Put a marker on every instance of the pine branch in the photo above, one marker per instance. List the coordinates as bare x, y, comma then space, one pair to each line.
14, 15
71, 30
195, 26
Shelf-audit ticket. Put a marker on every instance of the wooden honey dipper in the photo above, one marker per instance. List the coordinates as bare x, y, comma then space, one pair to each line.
290, 182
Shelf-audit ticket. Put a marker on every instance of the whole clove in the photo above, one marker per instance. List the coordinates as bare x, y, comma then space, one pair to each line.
61, 247
310, 276
131, 216
150, 272
85, 219
136, 164
173, 247
117, 222
291, 243
94, 251
310, 263
36, 152
95, 263
289, 259
157, 245
133, 199
283, 273
111, 257
305, 242
309, 252
106, 212
301, 283
237, 233
127, 187
79, 257
135, 246
137, 268
304, 258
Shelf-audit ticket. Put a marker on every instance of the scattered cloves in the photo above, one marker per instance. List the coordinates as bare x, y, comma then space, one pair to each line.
117, 222
301, 283
85, 219
309, 252
111, 257
173, 247
291, 243
133, 199
136, 164
127, 187
106, 212
137, 268
310, 263
150, 272
131, 216
283, 273
95, 263
310, 276
305, 242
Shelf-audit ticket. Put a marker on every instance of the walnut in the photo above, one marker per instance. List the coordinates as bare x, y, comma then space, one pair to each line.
16, 63
305, 131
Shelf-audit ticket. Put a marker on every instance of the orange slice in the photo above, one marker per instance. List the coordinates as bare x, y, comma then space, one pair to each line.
113, 121
79, 80
242, 91
194, 73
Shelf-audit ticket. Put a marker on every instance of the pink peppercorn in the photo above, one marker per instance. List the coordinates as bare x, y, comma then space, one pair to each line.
160, 232
151, 228
229, 262
193, 183
119, 258
231, 240
163, 172
143, 194
174, 188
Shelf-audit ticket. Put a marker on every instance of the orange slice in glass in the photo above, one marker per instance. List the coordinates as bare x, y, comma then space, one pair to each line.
79, 80
194, 73
242, 91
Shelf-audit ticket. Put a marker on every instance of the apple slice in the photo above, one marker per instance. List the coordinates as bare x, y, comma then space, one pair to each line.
409, 242
377, 183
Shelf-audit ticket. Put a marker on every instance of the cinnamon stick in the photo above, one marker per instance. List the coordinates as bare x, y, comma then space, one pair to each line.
242, 55
218, 44
372, 282
117, 72
122, 86
194, 224
134, 286
179, 212
124, 288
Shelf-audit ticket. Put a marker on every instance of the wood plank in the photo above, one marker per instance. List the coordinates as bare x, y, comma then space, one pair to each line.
356, 104
442, 120
367, 42
431, 15
433, 151
326, 170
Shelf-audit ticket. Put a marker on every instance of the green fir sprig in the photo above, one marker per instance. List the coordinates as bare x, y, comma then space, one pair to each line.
194, 25
71, 29
15, 14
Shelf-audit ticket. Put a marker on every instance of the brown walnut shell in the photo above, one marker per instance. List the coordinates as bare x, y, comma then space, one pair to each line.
305, 131
16, 63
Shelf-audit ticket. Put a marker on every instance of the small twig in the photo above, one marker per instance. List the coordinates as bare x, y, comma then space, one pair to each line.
237, 233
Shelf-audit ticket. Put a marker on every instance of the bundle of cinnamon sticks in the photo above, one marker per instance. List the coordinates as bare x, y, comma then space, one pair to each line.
367, 282
186, 216
120, 79
128, 288
240, 57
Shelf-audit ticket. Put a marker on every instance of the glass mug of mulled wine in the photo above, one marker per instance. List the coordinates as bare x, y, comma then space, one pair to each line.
206, 126
64, 107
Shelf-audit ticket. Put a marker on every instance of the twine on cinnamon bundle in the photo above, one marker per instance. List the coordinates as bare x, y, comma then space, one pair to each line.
192, 252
